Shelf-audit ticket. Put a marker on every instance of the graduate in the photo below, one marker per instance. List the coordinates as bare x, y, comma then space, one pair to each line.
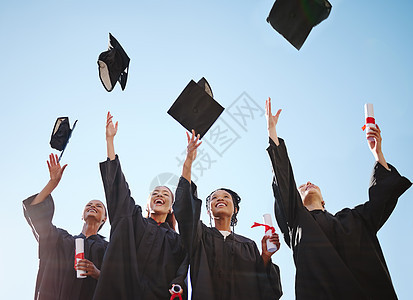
223, 265
146, 258
336, 256
56, 278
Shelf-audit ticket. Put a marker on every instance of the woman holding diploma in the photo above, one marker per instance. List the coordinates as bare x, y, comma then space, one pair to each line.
56, 278
224, 265
145, 258
336, 256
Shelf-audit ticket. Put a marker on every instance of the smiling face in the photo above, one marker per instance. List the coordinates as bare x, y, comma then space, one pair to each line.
160, 201
95, 210
311, 194
221, 204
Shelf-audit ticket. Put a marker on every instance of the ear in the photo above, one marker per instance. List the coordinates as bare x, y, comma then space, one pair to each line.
323, 203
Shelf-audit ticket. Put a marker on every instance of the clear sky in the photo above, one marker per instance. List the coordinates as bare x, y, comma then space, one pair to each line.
361, 53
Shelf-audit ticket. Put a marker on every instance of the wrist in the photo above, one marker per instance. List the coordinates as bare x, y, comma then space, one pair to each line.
110, 138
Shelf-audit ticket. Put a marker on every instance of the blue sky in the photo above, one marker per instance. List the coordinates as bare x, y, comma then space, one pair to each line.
361, 53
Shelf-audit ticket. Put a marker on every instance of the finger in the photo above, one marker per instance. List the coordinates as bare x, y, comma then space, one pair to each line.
187, 136
193, 135
48, 165
57, 160
269, 106
278, 113
63, 168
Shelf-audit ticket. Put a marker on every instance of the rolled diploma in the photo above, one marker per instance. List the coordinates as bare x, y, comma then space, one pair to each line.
369, 113
79, 254
271, 247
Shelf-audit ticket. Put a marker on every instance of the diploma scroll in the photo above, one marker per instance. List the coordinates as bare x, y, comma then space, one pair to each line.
79, 254
176, 289
370, 121
271, 247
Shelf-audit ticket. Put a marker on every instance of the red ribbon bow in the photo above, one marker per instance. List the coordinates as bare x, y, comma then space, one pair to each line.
174, 295
369, 120
267, 227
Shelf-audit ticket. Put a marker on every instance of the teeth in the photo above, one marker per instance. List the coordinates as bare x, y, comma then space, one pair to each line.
221, 205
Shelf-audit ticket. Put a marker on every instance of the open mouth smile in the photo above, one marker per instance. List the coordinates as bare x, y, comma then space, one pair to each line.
159, 202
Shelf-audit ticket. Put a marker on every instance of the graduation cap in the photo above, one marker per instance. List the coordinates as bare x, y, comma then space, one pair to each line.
294, 19
113, 65
61, 134
195, 107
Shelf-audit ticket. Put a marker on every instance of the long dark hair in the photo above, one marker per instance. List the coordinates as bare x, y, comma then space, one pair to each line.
236, 199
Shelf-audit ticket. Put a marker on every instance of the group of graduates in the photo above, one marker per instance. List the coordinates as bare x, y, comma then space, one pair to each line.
336, 256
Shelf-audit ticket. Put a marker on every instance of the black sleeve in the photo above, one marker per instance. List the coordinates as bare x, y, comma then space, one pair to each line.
385, 188
287, 198
118, 197
269, 279
39, 217
187, 209
181, 275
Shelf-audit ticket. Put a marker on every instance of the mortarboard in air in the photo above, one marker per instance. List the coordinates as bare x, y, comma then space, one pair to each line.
61, 134
113, 65
294, 19
195, 108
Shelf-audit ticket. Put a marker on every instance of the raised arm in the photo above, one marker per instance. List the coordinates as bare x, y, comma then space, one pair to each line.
287, 199
111, 131
187, 206
56, 172
272, 121
375, 145
118, 197
386, 186
193, 144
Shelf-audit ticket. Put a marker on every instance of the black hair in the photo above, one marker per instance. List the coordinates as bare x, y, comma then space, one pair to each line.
106, 215
235, 199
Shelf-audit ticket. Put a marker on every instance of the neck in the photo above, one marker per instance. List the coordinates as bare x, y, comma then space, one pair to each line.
311, 202
160, 218
223, 224
90, 228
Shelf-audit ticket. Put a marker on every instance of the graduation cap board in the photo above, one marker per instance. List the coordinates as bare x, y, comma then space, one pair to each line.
61, 134
294, 19
113, 65
195, 108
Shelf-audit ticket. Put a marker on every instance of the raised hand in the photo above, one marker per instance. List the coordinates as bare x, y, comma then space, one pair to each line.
55, 170
191, 149
375, 145
192, 146
111, 129
272, 121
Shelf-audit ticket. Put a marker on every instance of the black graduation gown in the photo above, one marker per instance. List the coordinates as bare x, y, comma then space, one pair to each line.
56, 278
143, 259
336, 256
231, 268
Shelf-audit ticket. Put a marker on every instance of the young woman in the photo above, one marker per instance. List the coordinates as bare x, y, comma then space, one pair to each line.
224, 265
56, 278
146, 257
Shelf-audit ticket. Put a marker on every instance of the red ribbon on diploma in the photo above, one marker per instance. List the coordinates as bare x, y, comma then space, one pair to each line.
174, 295
267, 227
369, 120
79, 256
